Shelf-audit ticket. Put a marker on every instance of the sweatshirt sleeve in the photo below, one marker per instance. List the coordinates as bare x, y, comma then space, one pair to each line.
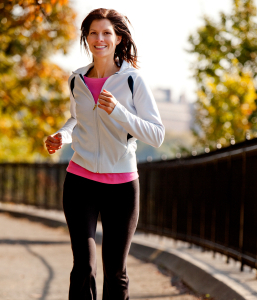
146, 126
67, 128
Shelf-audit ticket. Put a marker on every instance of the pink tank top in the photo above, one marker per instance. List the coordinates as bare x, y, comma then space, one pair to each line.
95, 86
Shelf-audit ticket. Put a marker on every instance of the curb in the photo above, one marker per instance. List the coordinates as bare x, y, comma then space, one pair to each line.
35, 218
198, 279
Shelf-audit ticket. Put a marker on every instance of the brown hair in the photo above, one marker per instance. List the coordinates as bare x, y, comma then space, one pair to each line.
119, 22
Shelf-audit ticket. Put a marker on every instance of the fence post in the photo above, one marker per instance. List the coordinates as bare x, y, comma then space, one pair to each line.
241, 229
213, 223
189, 205
227, 207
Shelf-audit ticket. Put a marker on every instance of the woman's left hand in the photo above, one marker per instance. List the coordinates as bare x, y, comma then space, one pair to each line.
107, 101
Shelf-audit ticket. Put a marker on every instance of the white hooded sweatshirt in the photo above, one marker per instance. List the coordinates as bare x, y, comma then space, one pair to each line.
104, 143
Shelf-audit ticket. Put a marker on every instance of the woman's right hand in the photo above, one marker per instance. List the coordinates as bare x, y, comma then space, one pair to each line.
53, 143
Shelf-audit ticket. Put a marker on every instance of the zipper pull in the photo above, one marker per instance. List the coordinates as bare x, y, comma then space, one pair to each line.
95, 107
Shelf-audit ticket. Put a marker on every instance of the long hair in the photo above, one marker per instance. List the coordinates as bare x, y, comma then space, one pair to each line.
126, 49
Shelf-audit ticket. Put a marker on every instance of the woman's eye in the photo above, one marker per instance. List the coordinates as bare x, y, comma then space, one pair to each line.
107, 32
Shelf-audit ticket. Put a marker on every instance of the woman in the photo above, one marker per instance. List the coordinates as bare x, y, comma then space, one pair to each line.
111, 107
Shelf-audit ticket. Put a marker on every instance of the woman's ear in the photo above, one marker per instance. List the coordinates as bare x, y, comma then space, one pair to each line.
119, 39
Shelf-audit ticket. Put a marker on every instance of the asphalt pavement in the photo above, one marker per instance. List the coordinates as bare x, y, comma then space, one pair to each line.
36, 261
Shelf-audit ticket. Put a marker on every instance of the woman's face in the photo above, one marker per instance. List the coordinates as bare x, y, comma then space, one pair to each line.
102, 39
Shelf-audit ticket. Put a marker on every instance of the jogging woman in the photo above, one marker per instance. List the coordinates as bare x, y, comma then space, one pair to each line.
111, 107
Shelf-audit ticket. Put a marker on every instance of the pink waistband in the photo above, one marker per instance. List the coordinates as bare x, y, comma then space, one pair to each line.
111, 178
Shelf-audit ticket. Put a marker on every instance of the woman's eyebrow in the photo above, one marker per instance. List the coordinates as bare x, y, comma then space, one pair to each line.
103, 29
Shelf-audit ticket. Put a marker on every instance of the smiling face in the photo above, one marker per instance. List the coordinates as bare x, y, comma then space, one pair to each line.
102, 39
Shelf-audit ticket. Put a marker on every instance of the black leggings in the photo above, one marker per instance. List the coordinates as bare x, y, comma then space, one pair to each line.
118, 205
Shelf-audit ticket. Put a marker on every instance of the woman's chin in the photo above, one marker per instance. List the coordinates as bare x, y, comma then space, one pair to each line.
103, 55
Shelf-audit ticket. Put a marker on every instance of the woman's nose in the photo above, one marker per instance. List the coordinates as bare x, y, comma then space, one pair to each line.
100, 37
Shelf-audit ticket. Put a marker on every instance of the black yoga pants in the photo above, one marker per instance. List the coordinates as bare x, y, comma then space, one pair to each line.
118, 204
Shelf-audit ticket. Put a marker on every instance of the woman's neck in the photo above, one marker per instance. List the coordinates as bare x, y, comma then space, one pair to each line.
103, 68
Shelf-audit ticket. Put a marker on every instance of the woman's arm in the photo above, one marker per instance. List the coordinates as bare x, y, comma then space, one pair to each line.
67, 128
146, 126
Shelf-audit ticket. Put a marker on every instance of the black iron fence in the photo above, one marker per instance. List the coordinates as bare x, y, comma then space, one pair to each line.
33, 184
209, 200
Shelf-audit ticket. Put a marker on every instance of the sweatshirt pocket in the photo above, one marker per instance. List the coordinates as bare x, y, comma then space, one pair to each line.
131, 147
126, 152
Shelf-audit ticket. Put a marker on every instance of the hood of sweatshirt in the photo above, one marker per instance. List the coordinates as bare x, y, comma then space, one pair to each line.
125, 65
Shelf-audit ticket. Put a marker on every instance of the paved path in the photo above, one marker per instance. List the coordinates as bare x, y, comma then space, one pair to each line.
36, 261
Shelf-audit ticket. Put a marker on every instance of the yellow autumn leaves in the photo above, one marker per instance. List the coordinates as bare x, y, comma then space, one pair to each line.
225, 70
228, 105
34, 94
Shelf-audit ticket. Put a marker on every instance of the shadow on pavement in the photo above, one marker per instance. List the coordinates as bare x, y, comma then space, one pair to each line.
49, 270
31, 242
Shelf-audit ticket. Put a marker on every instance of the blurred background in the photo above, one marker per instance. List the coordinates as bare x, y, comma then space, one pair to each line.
198, 56
200, 59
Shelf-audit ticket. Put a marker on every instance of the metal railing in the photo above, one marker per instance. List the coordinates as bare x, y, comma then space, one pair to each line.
209, 200
39, 184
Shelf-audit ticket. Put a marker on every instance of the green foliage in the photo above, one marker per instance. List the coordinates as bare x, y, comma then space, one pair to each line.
34, 97
225, 71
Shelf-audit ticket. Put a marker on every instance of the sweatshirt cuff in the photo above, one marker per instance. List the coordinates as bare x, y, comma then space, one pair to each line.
119, 113
65, 137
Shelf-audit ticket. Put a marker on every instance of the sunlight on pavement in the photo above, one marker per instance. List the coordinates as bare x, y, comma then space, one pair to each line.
36, 261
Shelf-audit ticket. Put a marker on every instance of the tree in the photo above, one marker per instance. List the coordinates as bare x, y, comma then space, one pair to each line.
34, 97
225, 71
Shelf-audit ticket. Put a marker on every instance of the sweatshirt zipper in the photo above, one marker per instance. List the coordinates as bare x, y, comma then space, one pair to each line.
97, 122
96, 118
97, 129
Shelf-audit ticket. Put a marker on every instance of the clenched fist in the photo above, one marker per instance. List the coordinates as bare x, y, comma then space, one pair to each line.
53, 143
107, 101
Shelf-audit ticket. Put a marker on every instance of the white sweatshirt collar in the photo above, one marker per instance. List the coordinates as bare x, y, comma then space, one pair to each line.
84, 70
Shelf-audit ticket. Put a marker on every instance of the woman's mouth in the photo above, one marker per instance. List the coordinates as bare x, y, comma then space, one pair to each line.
100, 47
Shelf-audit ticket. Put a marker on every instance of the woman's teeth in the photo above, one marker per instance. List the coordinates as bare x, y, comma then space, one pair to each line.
100, 47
